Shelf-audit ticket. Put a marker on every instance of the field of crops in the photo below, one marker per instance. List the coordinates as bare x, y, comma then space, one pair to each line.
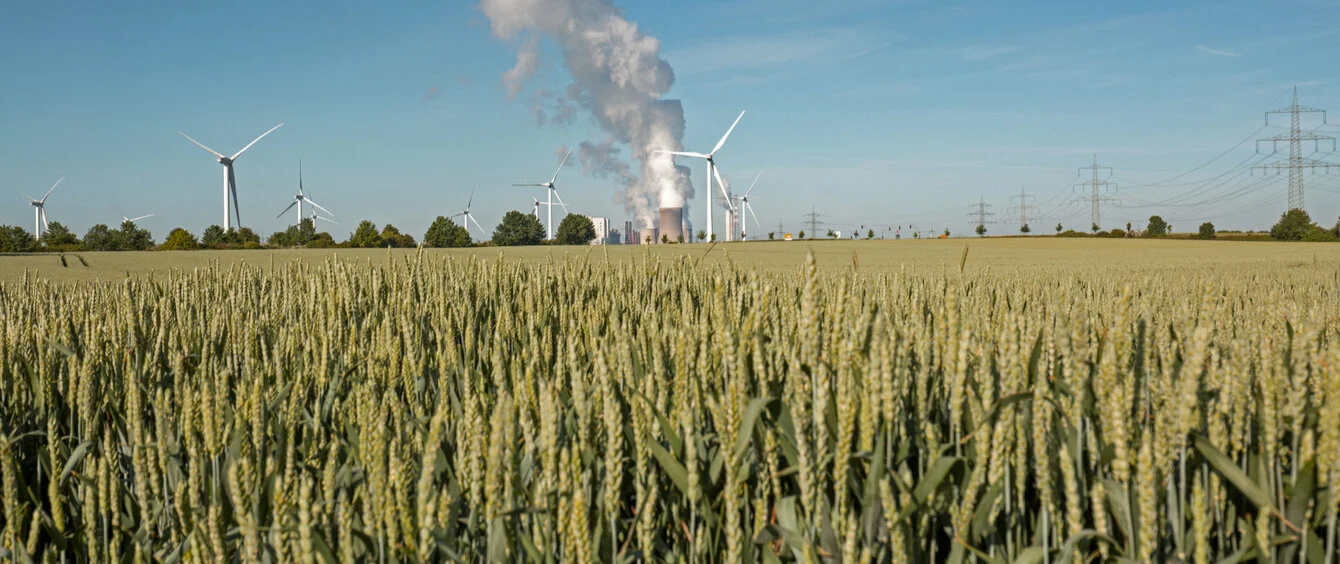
1023, 401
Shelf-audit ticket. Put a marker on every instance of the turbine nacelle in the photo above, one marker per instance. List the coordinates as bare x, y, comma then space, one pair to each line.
225, 161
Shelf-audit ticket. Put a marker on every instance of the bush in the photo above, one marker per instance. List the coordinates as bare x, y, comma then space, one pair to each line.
1206, 231
1293, 225
1117, 233
180, 240
1320, 235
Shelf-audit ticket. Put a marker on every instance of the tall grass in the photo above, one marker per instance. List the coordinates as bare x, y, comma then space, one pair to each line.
461, 410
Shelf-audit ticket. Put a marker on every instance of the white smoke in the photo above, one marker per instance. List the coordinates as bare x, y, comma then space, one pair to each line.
619, 76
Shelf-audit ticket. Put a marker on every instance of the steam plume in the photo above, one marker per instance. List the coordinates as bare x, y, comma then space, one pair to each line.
619, 77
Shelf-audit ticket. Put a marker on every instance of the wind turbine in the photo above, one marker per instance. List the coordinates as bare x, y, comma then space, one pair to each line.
535, 211
467, 218
711, 171
742, 202
134, 219
229, 179
301, 197
40, 210
553, 192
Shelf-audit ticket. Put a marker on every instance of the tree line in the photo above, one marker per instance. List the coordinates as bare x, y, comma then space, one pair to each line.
515, 229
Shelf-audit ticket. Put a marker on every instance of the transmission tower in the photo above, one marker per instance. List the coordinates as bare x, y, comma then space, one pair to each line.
814, 221
1024, 210
1296, 136
982, 211
1099, 190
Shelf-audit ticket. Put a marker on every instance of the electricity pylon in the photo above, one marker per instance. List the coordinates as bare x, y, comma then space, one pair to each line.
983, 213
1100, 191
1024, 210
1296, 136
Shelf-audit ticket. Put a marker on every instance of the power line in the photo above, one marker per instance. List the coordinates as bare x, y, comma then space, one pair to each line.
1296, 136
1100, 190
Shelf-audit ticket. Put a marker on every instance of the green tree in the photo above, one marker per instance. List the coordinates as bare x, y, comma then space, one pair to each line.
134, 238
1058, 228
802, 233
702, 235
981, 230
391, 236
1094, 227
14, 239
947, 231
772, 235
246, 238
180, 240
517, 229
59, 238
101, 238
830, 234
870, 234
1293, 225
1157, 227
665, 239
576, 229
1206, 230
1024, 229
1336, 230
445, 233
365, 236
213, 237
322, 240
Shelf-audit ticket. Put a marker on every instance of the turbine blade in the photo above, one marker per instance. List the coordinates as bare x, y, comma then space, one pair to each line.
683, 154
560, 201
472, 197
32, 199
528, 185
143, 217
290, 206
202, 145
45, 227
723, 137
253, 142
318, 206
750, 209
299, 176
751, 184
326, 219
720, 184
53, 187
560, 166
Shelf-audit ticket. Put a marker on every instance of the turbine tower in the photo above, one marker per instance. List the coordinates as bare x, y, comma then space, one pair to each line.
742, 203
40, 210
229, 179
301, 197
711, 170
466, 218
553, 192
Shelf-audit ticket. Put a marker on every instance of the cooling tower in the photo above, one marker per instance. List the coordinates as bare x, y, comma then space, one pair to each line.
672, 225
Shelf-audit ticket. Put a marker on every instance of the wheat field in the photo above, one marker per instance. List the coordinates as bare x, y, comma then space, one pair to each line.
982, 401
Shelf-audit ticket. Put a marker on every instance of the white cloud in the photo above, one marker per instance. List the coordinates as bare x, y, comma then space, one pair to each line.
1209, 51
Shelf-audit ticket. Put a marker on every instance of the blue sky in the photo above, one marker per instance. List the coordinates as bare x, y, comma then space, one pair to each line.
874, 113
